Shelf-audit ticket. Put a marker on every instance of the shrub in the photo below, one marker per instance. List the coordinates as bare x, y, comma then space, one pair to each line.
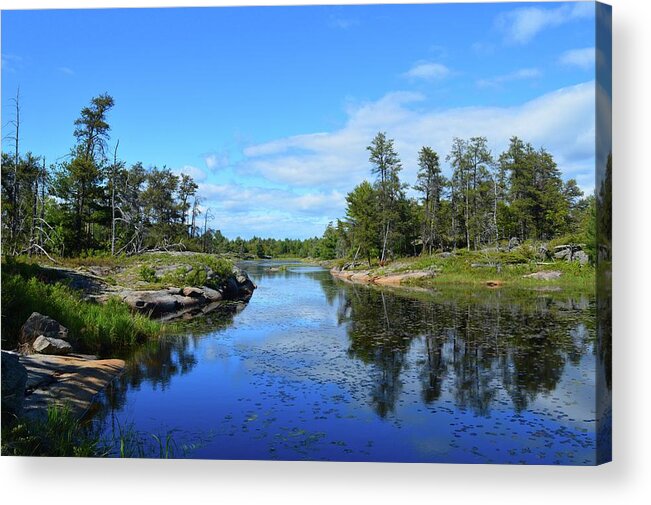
147, 274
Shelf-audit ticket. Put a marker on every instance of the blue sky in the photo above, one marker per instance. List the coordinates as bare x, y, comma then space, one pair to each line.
271, 108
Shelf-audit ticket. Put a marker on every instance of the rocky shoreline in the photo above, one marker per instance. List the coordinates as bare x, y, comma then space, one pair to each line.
168, 303
368, 277
31, 384
44, 371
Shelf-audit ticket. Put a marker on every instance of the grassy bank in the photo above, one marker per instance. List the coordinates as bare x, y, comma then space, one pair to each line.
149, 270
60, 434
94, 328
477, 268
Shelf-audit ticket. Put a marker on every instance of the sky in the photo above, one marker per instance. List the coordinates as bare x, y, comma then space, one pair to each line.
270, 109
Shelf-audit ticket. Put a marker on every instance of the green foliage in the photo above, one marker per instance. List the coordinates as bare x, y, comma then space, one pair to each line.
147, 274
93, 328
195, 272
362, 214
59, 434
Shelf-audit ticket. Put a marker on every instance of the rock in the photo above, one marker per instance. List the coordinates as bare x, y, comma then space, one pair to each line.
494, 283
513, 243
543, 252
563, 254
48, 345
193, 292
14, 379
72, 381
547, 275
582, 257
153, 303
244, 285
399, 278
212, 295
37, 325
361, 277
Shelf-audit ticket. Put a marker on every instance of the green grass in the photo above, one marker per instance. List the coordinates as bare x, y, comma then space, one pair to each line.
192, 270
129, 270
457, 269
59, 434
62, 434
94, 328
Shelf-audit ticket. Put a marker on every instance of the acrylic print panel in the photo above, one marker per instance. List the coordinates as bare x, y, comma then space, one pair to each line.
341, 233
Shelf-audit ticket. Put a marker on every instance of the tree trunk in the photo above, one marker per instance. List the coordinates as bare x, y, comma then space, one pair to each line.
115, 161
14, 189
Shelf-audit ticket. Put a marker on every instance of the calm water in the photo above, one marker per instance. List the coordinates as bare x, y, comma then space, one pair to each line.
318, 369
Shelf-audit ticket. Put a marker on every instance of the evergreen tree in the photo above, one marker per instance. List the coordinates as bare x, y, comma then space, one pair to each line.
364, 219
386, 168
430, 183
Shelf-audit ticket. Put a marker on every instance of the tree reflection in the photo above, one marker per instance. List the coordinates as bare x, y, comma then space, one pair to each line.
159, 361
471, 346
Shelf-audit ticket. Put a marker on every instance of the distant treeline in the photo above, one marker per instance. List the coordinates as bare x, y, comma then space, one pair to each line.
92, 202
486, 200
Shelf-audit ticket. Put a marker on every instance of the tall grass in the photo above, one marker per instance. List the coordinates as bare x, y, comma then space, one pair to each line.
95, 328
60, 433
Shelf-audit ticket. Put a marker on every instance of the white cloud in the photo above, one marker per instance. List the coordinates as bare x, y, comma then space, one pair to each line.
196, 173
518, 75
241, 199
562, 121
582, 58
216, 160
66, 70
428, 71
523, 24
243, 210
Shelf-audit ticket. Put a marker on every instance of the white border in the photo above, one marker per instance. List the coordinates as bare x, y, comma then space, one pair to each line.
627, 480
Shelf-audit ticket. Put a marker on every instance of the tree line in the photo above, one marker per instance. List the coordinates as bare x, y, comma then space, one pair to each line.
486, 200
92, 201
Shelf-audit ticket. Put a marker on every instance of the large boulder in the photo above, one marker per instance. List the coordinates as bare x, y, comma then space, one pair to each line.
239, 286
212, 295
14, 379
563, 254
48, 345
582, 257
153, 303
37, 325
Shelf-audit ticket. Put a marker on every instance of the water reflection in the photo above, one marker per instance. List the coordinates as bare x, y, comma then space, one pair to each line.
485, 341
345, 368
159, 361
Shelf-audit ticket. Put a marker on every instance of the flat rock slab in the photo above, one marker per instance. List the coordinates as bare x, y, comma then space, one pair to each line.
547, 275
366, 277
71, 380
397, 279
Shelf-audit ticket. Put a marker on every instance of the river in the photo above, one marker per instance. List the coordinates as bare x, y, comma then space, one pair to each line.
315, 368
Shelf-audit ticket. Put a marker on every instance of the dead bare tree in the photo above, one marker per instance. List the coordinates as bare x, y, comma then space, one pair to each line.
195, 212
114, 168
14, 177
206, 216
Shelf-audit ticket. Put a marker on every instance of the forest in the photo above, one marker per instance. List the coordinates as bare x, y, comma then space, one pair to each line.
92, 203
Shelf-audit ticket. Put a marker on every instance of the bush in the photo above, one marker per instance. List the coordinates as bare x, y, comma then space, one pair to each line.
147, 274
195, 273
